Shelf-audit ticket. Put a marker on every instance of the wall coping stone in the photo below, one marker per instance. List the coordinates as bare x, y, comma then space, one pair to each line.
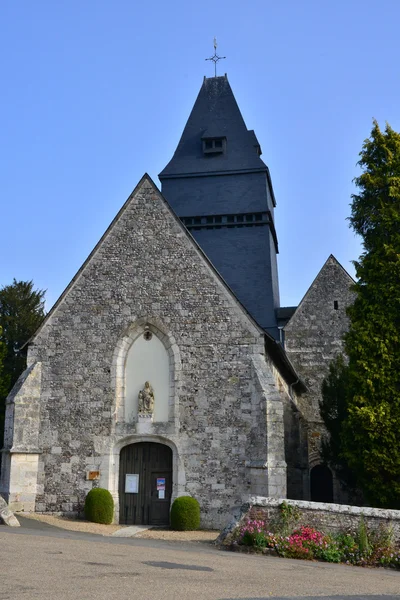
366, 511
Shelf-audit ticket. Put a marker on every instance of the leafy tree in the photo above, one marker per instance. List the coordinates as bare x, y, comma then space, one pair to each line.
4, 382
4, 379
333, 410
21, 312
365, 432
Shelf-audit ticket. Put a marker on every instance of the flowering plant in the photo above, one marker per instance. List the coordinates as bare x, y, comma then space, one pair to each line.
254, 533
309, 543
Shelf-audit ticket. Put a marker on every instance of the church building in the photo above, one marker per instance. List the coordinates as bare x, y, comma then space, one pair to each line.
167, 367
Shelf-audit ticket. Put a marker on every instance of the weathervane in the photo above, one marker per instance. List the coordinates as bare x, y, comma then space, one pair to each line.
215, 58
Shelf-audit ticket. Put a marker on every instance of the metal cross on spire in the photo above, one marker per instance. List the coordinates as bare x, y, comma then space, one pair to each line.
215, 58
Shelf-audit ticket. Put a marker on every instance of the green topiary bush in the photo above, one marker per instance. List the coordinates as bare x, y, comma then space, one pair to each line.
99, 506
185, 514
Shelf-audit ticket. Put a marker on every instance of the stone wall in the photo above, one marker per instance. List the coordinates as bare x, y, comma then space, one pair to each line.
296, 450
329, 518
313, 337
147, 272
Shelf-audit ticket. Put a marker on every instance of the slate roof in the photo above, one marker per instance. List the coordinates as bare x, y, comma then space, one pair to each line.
284, 314
215, 113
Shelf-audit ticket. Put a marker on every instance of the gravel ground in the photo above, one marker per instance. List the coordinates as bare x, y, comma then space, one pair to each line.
155, 534
187, 536
72, 524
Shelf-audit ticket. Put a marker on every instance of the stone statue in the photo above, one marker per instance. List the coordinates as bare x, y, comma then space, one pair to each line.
146, 400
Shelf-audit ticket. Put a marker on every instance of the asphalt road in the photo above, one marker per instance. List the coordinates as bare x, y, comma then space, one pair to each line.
42, 562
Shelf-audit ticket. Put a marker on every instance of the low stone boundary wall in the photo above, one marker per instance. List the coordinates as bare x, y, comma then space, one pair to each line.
330, 518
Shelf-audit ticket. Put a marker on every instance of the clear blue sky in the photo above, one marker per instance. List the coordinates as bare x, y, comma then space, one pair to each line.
95, 93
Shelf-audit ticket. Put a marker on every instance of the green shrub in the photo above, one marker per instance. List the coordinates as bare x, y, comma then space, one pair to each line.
185, 514
348, 547
363, 538
99, 506
329, 552
287, 520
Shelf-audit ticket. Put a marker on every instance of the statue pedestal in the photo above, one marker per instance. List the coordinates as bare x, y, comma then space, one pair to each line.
144, 423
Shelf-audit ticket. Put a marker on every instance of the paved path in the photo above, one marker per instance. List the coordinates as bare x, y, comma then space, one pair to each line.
43, 562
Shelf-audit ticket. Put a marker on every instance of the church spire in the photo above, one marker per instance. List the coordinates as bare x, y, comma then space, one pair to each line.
215, 115
220, 188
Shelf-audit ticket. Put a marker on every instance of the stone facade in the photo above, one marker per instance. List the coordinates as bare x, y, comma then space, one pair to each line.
313, 337
66, 415
227, 401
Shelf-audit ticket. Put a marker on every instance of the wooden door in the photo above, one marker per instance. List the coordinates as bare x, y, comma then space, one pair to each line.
145, 495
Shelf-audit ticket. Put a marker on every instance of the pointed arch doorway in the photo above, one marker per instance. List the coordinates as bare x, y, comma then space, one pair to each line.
321, 484
145, 484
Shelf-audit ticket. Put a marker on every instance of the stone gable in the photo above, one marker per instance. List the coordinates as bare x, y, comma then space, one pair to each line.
314, 334
147, 273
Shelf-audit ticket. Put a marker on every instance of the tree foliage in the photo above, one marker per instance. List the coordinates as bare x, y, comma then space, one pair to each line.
334, 413
4, 379
365, 432
21, 312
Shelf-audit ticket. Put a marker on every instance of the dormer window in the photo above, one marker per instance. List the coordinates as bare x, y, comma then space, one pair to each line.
213, 145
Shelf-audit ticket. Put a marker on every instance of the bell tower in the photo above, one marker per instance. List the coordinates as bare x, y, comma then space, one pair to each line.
221, 190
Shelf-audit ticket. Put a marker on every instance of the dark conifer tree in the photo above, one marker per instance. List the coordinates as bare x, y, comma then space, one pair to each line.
365, 437
21, 312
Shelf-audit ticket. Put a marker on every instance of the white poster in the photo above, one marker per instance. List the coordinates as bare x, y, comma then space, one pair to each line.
161, 494
131, 484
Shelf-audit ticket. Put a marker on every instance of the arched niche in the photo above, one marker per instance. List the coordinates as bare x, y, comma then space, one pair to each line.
137, 360
147, 360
